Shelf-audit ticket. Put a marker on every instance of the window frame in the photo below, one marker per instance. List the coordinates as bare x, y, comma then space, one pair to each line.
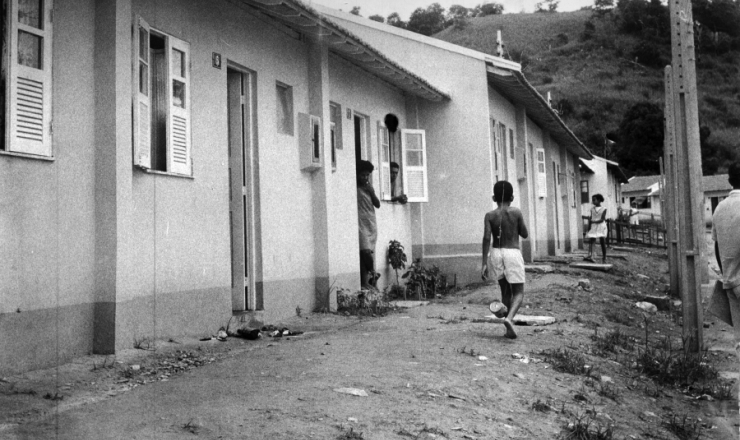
26, 134
585, 196
178, 118
284, 121
407, 169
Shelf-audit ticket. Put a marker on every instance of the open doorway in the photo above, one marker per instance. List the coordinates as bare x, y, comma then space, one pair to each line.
241, 190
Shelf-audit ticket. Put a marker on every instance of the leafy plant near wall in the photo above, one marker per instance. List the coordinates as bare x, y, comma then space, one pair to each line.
397, 260
421, 279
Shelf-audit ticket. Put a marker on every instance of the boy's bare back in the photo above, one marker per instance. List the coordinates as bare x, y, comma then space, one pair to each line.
512, 225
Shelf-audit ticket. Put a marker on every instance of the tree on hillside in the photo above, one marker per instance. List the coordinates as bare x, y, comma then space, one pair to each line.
718, 15
648, 18
603, 7
640, 139
355, 11
378, 18
487, 9
427, 21
547, 6
458, 11
395, 20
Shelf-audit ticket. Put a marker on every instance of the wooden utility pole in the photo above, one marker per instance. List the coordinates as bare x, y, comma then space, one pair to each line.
688, 171
669, 186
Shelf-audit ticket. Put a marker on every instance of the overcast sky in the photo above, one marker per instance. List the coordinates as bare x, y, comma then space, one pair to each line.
405, 7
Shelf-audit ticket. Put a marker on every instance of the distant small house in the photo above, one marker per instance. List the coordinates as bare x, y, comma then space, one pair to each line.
601, 176
646, 192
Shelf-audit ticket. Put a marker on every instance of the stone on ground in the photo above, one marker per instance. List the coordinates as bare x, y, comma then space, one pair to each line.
661, 302
592, 266
646, 306
408, 304
537, 268
525, 320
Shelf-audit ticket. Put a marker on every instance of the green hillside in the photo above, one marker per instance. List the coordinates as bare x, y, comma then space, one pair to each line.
595, 80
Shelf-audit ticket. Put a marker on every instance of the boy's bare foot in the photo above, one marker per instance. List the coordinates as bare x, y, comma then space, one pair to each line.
510, 333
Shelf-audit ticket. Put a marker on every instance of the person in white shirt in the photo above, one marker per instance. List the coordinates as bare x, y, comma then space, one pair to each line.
726, 235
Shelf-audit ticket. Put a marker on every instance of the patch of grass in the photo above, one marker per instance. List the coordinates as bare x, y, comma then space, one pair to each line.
568, 361
456, 320
584, 427
351, 435
611, 340
191, 426
362, 303
618, 316
720, 390
683, 427
610, 391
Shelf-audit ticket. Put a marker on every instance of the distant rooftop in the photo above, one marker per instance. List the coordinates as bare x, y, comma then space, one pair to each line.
709, 183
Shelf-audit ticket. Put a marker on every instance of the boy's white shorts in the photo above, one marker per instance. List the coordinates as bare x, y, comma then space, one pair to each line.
506, 263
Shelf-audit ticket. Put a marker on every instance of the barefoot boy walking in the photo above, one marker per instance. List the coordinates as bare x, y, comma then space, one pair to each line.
503, 262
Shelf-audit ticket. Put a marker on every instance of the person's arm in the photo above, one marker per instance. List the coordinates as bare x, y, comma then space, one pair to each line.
716, 254
485, 248
402, 199
523, 231
370, 190
603, 216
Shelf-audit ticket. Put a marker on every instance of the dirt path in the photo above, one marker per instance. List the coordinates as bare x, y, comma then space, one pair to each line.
421, 368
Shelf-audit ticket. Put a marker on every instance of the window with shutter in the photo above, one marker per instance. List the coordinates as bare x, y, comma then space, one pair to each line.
162, 117
413, 145
541, 173
27, 77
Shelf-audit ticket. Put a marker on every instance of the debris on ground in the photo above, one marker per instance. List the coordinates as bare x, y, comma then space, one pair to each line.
646, 306
352, 391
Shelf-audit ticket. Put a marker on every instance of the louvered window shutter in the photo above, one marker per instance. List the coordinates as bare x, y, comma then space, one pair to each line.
29, 77
413, 144
142, 96
385, 162
541, 173
178, 100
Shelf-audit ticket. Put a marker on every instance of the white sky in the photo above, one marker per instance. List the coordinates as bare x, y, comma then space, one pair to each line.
406, 7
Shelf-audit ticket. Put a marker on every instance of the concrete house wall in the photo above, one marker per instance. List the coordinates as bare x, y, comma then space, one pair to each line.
47, 221
105, 253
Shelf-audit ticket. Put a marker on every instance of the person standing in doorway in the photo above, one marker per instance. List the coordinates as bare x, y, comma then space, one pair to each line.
367, 203
726, 235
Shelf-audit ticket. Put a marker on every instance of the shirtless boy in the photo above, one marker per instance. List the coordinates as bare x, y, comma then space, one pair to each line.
503, 261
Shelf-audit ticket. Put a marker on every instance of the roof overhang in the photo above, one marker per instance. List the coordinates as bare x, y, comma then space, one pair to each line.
513, 85
584, 166
618, 173
313, 25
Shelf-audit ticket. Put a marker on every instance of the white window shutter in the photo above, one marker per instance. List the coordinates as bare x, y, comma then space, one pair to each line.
178, 100
541, 173
413, 145
29, 80
385, 162
142, 74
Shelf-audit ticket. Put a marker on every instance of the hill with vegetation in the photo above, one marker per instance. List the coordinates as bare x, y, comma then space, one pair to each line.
605, 68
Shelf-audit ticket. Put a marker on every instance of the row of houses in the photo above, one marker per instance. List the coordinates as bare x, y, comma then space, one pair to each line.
647, 193
167, 166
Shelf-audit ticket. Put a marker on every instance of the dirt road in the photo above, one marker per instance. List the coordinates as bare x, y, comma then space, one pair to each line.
438, 371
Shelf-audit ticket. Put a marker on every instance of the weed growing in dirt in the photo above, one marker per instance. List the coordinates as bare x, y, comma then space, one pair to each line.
55, 396
362, 303
471, 352
667, 366
143, 343
192, 427
610, 391
351, 435
584, 427
611, 340
683, 427
541, 406
720, 390
456, 320
568, 361
618, 316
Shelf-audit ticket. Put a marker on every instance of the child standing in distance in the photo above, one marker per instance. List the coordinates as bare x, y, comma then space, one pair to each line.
503, 261
597, 228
